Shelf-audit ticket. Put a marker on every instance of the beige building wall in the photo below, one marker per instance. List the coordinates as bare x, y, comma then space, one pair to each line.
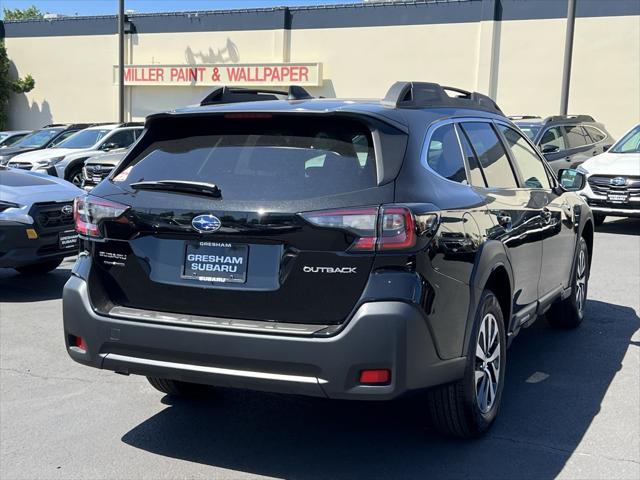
519, 62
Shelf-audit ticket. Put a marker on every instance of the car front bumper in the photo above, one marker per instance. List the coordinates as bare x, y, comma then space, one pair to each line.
17, 250
390, 335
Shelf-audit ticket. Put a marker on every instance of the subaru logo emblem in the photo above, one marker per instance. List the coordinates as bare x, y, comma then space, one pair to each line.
97, 168
206, 223
67, 210
618, 181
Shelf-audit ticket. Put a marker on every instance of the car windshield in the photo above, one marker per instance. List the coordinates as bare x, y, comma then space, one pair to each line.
630, 143
39, 138
84, 138
529, 130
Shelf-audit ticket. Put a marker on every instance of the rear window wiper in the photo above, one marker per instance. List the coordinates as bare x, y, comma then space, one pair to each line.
181, 186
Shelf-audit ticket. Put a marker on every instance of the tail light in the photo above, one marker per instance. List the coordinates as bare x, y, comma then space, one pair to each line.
386, 228
89, 211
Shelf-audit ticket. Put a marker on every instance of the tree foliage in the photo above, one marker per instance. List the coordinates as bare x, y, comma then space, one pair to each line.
8, 86
22, 13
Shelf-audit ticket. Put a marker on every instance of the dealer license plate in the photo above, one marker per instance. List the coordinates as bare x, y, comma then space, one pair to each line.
216, 262
617, 197
68, 240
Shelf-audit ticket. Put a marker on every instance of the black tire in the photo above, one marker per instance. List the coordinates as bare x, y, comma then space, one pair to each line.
75, 176
598, 219
177, 388
38, 268
569, 312
457, 409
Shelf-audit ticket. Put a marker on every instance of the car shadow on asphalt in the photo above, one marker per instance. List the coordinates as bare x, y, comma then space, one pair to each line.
15, 287
624, 226
556, 381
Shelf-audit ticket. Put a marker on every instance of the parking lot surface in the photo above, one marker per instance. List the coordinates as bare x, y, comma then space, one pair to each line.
570, 407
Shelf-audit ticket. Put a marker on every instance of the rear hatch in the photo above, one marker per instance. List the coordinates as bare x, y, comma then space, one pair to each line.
280, 228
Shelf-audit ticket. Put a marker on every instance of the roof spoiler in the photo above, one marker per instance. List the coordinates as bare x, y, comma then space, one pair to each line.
226, 94
425, 94
577, 118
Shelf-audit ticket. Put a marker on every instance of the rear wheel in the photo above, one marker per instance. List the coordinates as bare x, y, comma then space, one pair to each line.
598, 218
42, 267
468, 407
569, 312
178, 388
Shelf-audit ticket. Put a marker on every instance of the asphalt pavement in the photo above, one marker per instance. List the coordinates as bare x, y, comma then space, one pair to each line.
571, 407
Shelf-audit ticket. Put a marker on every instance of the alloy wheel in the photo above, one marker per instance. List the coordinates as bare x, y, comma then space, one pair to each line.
581, 280
487, 364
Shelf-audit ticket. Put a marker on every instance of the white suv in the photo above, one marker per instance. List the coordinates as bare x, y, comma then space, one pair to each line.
613, 179
67, 159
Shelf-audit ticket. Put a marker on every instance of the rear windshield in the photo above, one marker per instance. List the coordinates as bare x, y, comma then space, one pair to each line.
264, 159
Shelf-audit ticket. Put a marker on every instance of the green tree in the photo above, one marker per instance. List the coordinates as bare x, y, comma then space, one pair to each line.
22, 13
7, 86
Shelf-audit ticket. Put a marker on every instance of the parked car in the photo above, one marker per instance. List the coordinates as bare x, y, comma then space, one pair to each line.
47, 137
99, 166
67, 159
613, 179
334, 248
566, 140
10, 137
36, 221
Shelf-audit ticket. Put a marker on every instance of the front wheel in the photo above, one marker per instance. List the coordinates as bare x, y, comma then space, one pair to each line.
75, 177
568, 313
42, 267
468, 407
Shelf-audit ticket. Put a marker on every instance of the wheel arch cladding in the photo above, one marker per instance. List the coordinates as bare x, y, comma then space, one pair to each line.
500, 284
587, 234
77, 163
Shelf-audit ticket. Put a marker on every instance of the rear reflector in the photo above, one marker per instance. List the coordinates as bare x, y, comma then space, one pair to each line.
375, 377
79, 342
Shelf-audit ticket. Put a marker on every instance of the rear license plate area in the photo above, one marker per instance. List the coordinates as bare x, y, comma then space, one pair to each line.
215, 262
68, 240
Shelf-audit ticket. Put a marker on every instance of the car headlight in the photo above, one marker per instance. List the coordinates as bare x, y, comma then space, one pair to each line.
6, 205
49, 162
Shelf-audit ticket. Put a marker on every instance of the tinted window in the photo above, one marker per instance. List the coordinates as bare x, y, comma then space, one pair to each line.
630, 143
270, 159
533, 173
553, 137
39, 138
63, 136
576, 136
444, 155
491, 154
121, 139
595, 134
11, 140
84, 138
472, 161
530, 130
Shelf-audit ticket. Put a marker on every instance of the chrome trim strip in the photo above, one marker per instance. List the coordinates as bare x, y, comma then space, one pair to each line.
622, 211
200, 321
213, 370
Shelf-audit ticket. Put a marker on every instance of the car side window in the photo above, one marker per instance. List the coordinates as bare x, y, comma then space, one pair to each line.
530, 165
63, 136
491, 154
475, 172
553, 137
444, 155
576, 136
595, 134
121, 139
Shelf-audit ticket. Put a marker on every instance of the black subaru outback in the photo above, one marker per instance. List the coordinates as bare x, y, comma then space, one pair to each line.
336, 248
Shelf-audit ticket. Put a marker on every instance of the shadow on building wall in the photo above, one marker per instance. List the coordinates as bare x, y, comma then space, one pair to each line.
227, 54
24, 114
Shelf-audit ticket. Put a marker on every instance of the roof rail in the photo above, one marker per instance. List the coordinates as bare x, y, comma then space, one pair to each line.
236, 94
424, 94
577, 118
524, 117
131, 124
51, 125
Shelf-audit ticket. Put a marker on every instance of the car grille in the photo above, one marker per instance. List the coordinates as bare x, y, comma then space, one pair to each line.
21, 165
601, 185
50, 216
97, 171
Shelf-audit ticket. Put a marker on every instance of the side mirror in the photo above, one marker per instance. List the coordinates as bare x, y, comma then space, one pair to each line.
550, 149
108, 146
571, 180
607, 147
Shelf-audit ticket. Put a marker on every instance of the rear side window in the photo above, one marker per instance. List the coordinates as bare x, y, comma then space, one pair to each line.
553, 137
263, 159
491, 154
477, 179
444, 155
576, 136
121, 139
595, 134
530, 165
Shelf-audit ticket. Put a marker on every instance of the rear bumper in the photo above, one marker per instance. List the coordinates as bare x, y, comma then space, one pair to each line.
16, 250
381, 335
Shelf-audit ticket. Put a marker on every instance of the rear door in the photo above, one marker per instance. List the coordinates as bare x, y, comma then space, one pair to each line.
580, 146
285, 240
553, 146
